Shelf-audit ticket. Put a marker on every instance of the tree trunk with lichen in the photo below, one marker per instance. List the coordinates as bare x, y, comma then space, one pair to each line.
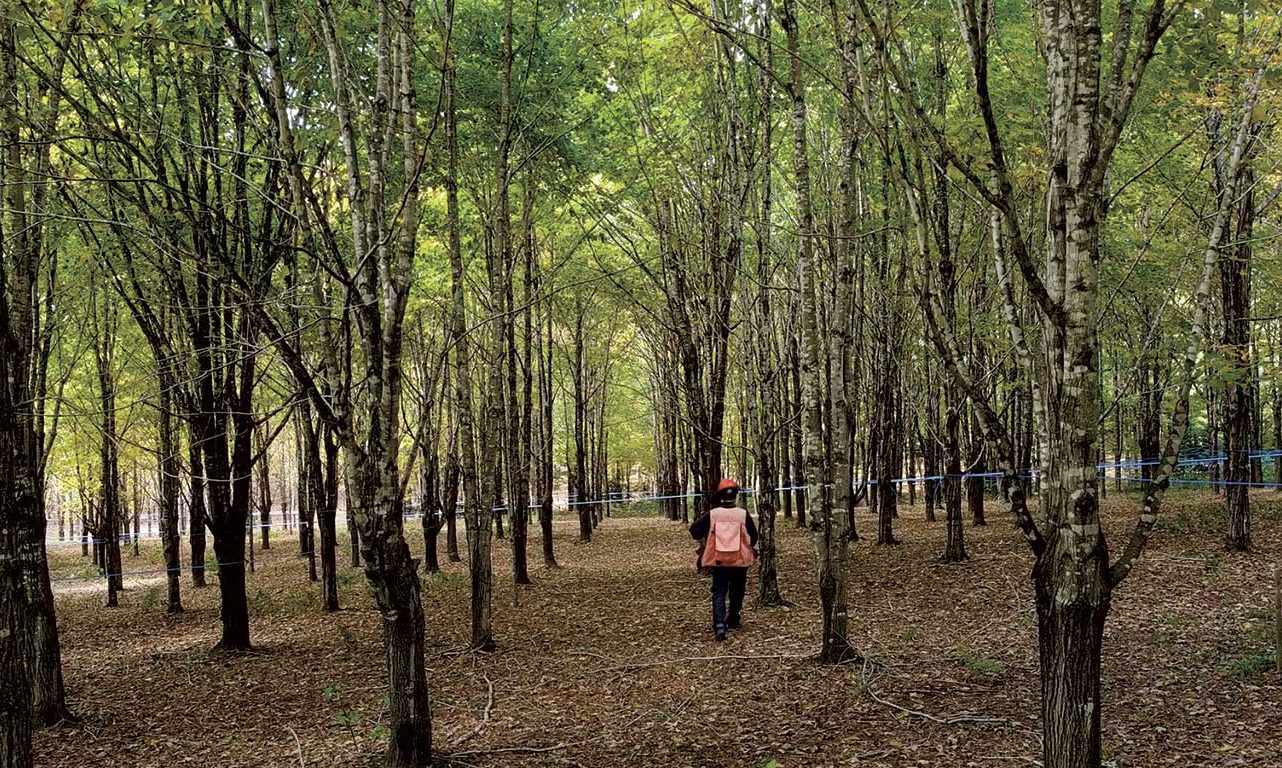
829, 526
1072, 574
30, 654
20, 500
382, 253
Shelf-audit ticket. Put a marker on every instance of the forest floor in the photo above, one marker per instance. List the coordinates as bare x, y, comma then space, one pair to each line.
609, 660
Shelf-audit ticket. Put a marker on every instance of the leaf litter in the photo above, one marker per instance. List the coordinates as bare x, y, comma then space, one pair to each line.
609, 660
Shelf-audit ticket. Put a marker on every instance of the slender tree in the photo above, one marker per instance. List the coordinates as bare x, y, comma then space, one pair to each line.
365, 416
831, 529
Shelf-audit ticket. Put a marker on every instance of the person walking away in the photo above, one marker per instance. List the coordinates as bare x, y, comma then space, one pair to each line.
730, 540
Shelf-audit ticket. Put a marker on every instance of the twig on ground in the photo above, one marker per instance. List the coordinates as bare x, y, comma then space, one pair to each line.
603, 657
297, 745
678, 709
872, 755
954, 720
485, 717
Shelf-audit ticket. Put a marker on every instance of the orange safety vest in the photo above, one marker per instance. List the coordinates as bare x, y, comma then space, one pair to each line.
728, 544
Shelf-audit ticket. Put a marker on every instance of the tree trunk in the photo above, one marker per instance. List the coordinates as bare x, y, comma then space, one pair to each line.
1213, 437
579, 493
371, 432
520, 400
20, 501
169, 490
545, 453
830, 529
1072, 604
227, 451
197, 512
1277, 437
15, 685
978, 467
353, 537
310, 504
1118, 409
762, 413
373, 486
229, 504
785, 470
799, 467
932, 487
477, 509
109, 463
40, 635
1148, 417
264, 495
326, 506
20, 508
955, 402
29, 632
429, 505
844, 375
232, 605
450, 492
137, 506
1239, 427
431, 560
885, 435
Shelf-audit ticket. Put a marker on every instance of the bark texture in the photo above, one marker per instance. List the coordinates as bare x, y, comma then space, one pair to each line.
830, 529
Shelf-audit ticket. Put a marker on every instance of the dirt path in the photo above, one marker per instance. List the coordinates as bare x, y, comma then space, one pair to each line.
608, 661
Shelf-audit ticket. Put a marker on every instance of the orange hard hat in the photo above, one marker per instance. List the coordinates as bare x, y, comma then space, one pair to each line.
727, 484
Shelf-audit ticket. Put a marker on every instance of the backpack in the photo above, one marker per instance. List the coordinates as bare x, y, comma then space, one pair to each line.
727, 539
728, 543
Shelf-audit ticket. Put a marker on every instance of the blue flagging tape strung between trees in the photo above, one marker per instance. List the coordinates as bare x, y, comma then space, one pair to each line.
633, 500
128, 538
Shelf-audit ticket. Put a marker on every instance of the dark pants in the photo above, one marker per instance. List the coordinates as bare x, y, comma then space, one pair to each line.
727, 582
